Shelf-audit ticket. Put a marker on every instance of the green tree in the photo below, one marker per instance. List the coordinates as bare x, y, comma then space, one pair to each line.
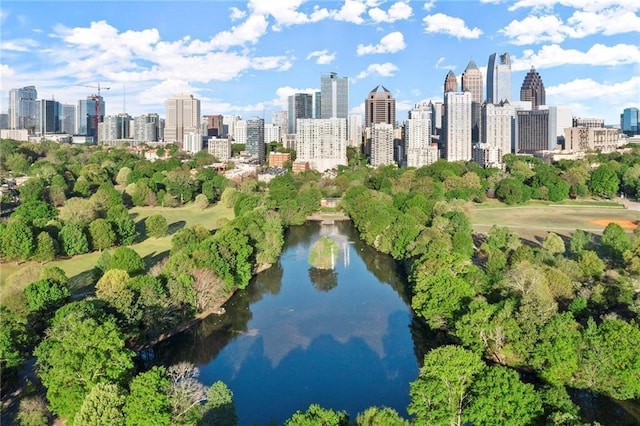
604, 181
316, 415
15, 337
127, 259
148, 403
553, 244
591, 264
73, 240
17, 241
499, 397
32, 189
82, 349
33, 412
45, 248
378, 416
35, 212
441, 392
44, 296
580, 241
615, 241
555, 356
156, 226
102, 406
112, 288
102, 234
220, 408
512, 191
80, 211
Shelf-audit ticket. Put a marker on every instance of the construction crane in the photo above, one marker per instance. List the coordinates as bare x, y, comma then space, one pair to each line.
96, 98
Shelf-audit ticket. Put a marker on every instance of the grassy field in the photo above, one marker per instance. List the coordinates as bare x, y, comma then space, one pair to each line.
533, 221
79, 268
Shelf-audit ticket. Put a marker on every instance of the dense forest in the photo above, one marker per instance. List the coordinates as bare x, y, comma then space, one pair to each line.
523, 320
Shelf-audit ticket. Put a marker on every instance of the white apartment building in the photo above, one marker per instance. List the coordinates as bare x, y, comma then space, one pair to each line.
322, 142
381, 144
560, 118
497, 122
192, 142
457, 126
220, 148
271, 133
240, 131
417, 138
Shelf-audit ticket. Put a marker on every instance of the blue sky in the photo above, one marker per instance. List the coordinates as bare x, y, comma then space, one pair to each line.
246, 57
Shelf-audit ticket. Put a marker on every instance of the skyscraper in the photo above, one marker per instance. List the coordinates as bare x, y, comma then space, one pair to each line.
533, 131
255, 139
87, 121
533, 89
22, 108
450, 82
417, 137
68, 119
457, 126
497, 121
146, 128
499, 79
182, 116
629, 121
334, 96
214, 125
114, 128
299, 105
354, 129
472, 82
381, 144
380, 107
47, 116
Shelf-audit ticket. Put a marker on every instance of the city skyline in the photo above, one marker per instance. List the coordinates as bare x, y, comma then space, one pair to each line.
255, 54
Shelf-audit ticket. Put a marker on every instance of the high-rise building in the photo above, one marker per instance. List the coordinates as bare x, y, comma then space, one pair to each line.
87, 119
499, 79
533, 131
450, 82
114, 128
380, 107
229, 125
417, 137
271, 133
629, 121
255, 139
4, 121
354, 129
182, 117
220, 148
382, 137
560, 118
533, 89
457, 126
214, 125
436, 117
334, 96
322, 142
299, 105
472, 82
582, 139
281, 119
47, 116
22, 108
68, 119
146, 128
240, 131
317, 104
497, 124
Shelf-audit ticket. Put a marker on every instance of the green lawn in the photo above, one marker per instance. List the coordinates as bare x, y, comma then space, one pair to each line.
536, 219
79, 268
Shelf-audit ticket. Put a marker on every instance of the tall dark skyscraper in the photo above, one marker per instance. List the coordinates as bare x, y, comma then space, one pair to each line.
299, 105
533, 89
380, 107
450, 82
499, 79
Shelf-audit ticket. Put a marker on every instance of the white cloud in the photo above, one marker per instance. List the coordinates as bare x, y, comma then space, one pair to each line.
384, 70
583, 93
18, 45
428, 5
283, 93
164, 90
236, 13
441, 23
324, 58
439, 64
391, 43
592, 5
249, 31
398, 11
286, 13
599, 54
535, 29
351, 11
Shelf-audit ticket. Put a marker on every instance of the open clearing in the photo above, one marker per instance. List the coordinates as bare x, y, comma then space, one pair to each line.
536, 220
79, 268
